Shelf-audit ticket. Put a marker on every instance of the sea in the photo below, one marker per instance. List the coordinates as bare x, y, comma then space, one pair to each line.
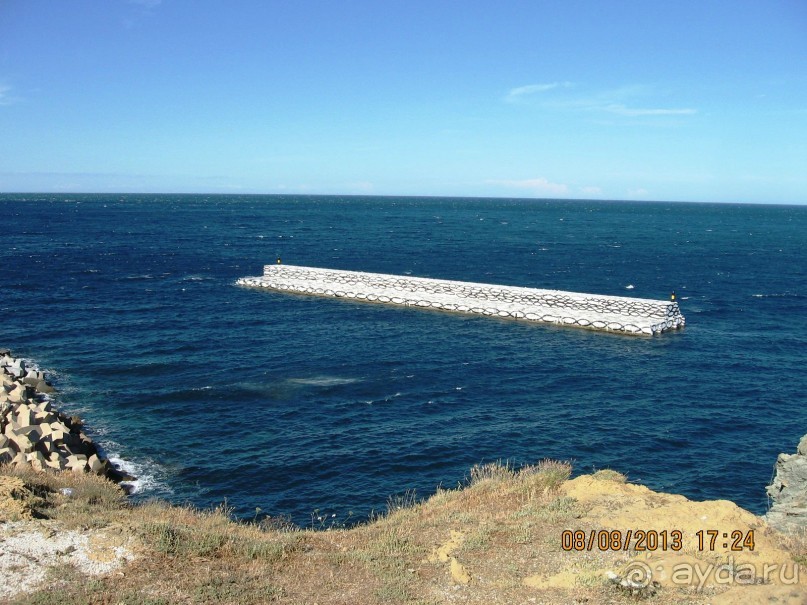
324, 411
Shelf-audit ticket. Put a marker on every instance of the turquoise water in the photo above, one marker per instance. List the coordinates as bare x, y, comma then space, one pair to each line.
314, 407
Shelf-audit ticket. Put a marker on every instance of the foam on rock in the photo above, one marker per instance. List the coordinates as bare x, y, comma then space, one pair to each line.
636, 316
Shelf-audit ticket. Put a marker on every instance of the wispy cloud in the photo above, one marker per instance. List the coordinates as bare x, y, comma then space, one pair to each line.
591, 190
5, 97
622, 110
140, 9
638, 192
630, 101
537, 186
360, 187
521, 93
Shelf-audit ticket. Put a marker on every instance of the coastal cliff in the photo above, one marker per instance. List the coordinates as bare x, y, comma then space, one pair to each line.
788, 491
506, 535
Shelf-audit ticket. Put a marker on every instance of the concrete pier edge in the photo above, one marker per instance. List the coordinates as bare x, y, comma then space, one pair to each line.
623, 315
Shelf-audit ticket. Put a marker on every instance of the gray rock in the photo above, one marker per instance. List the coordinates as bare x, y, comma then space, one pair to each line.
43, 387
803, 446
788, 491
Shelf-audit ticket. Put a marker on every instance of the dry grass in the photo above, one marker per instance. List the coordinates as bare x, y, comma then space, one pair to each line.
88, 500
795, 542
476, 544
609, 475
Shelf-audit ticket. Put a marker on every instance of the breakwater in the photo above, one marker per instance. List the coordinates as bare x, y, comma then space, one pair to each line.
635, 316
34, 433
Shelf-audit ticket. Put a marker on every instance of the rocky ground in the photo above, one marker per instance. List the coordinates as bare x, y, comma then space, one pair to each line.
32, 549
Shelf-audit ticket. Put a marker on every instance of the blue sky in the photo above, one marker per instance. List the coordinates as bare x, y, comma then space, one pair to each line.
687, 100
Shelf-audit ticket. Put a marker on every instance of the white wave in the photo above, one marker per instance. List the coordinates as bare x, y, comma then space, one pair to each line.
629, 287
196, 278
323, 381
386, 399
780, 295
144, 473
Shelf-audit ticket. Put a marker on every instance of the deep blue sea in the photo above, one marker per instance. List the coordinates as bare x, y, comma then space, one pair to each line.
314, 407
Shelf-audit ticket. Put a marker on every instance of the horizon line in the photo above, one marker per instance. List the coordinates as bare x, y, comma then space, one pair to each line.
419, 196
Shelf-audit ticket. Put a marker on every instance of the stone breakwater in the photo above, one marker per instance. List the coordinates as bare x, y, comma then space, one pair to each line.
34, 433
623, 315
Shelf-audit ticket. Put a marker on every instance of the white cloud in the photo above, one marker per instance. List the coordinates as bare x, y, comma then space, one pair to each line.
622, 110
536, 186
140, 9
639, 192
5, 97
360, 187
591, 190
518, 94
622, 101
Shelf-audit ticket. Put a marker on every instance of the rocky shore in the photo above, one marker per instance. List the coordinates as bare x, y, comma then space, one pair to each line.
34, 433
788, 491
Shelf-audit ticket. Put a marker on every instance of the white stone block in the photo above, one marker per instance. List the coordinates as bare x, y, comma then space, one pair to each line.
55, 461
24, 415
76, 463
44, 417
94, 464
36, 460
17, 395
